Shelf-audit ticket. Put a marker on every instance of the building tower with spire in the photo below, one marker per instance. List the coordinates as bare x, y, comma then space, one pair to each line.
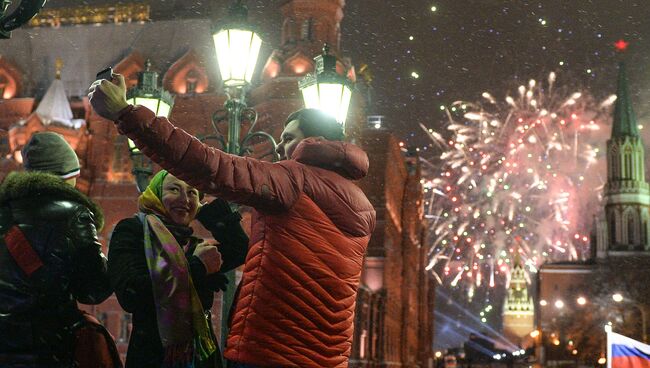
627, 194
518, 309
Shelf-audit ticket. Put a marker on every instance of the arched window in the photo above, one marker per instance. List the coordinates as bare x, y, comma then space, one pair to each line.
631, 233
288, 30
611, 223
639, 163
306, 29
191, 79
628, 163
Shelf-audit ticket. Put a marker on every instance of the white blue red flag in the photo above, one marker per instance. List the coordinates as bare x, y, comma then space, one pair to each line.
623, 352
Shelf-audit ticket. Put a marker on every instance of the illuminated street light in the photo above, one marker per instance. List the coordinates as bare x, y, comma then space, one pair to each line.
559, 304
237, 47
617, 297
148, 94
327, 90
543, 303
581, 300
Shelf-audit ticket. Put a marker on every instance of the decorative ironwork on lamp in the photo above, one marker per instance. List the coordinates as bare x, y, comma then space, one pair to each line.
325, 89
25, 11
147, 93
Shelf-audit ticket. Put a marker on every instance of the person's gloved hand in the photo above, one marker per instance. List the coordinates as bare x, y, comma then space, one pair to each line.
217, 281
216, 213
108, 98
209, 255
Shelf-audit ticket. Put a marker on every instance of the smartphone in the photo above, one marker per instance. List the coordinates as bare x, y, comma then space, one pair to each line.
106, 74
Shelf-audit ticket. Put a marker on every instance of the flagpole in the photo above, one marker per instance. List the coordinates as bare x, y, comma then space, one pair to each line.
608, 331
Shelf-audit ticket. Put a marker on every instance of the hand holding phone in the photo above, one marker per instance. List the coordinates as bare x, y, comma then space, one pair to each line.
106, 74
108, 99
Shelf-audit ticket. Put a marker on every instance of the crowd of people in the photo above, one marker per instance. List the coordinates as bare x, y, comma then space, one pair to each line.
294, 305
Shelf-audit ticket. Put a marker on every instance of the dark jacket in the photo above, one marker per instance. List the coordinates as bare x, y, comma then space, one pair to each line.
310, 230
130, 277
61, 225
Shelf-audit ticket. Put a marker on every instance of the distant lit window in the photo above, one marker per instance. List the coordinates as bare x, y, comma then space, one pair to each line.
125, 328
191, 81
375, 121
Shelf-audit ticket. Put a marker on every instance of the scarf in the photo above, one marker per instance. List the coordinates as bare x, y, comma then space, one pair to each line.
182, 326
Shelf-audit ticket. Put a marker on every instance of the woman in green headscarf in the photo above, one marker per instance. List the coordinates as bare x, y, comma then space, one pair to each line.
166, 277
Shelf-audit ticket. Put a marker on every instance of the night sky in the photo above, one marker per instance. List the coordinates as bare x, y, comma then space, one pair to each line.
460, 48
466, 47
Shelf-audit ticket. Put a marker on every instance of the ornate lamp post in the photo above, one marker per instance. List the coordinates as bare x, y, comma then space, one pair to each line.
327, 90
21, 15
237, 47
148, 94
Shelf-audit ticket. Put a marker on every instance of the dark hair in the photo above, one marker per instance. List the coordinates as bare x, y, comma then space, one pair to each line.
315, 123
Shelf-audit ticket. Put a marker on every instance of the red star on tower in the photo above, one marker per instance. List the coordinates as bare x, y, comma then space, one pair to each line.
621, 45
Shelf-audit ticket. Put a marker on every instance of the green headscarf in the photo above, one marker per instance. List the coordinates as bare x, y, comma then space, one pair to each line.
150, 201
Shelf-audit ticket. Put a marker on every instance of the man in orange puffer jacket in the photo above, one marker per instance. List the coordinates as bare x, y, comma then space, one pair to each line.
310, 229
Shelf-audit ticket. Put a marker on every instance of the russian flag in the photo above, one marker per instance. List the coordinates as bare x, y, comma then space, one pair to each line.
624, 352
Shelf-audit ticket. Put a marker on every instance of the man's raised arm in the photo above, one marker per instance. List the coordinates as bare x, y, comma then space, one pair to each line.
262, 185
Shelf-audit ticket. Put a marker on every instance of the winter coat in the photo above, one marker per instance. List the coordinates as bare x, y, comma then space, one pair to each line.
130, 277
60, 223
310, 231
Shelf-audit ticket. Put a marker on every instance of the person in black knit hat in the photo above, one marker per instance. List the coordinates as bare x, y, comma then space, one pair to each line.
50, 257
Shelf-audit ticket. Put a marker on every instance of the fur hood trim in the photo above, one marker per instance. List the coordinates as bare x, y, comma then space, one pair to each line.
30, 184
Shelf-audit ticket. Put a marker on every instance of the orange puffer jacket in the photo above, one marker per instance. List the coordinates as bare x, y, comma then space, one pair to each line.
310, 231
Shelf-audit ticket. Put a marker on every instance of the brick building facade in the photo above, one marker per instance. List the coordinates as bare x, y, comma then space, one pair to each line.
395, 303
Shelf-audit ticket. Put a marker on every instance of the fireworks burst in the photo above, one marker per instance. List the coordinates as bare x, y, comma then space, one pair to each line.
518, 179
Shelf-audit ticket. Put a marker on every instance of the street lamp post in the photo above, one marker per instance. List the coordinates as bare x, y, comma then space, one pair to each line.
327, 90
148, 94
21, 15
618, 297
237, 48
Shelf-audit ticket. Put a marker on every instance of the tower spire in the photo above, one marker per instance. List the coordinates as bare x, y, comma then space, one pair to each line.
624, 123
627, 194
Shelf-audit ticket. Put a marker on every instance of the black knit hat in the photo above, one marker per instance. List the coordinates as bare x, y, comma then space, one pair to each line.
49, 152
